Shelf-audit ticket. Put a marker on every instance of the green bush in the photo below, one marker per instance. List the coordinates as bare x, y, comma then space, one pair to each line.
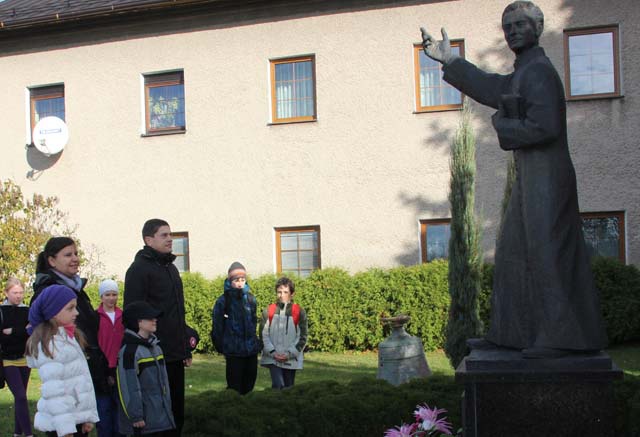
199, 297
344, 310
484, 298
422, 292
627, 406
619, 287
365, 407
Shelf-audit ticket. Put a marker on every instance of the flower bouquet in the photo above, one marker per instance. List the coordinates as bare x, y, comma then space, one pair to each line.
427, 424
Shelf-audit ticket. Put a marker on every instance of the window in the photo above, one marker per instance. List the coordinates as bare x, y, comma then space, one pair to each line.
433, 93
298, 250
164, 102
604, 233
181, 250
46, 101
592, 66
434, 239
293, 89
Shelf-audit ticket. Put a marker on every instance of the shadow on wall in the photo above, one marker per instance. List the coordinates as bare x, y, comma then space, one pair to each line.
39, 162
491, 161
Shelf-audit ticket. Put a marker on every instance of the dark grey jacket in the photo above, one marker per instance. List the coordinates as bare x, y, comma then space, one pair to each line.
143, 386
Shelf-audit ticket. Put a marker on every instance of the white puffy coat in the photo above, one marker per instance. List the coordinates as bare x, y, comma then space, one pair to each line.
67, 396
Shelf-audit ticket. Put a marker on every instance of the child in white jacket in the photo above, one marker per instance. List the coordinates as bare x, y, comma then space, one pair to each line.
67, 405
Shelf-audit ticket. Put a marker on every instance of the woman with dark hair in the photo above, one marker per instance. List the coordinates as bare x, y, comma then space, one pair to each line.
59, 264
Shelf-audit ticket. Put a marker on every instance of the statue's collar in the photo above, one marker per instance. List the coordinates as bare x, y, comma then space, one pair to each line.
528, 55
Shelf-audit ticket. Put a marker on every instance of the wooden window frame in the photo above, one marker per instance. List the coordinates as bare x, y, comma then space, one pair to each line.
417, 48
623, 231
568, 33
175, 235
274, 101
295, 229
155, 80
424, 224
43, 93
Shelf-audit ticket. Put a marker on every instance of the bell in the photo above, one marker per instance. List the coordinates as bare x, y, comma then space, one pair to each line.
401, 356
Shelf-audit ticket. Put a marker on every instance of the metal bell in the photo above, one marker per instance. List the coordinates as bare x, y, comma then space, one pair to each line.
401, 356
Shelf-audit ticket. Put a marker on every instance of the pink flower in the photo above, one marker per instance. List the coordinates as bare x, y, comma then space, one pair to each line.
404, 430
429, 418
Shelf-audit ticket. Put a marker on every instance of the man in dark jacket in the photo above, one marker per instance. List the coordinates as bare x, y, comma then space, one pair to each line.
153, 278
544, 298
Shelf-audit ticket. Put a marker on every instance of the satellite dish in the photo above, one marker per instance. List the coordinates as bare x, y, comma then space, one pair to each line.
50, 135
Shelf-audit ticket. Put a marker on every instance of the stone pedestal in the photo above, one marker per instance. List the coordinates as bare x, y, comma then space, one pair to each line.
507, 395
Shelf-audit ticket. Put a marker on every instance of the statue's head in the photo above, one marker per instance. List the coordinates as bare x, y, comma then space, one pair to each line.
522, 24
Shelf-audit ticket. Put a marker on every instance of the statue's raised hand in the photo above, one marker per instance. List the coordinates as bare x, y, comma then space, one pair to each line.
437, 50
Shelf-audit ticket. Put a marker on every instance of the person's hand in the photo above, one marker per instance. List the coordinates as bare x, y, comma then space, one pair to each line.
281, 358
7, 331
139, 424
87, 427
111, 381
437, 50
187, 362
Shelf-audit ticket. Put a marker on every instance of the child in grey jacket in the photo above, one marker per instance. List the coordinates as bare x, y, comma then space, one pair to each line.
284, 335
145, 402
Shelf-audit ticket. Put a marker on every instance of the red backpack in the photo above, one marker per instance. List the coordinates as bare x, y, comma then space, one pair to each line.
295, 313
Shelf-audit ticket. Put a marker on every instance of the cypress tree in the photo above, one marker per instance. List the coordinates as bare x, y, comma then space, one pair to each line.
465, 263
511, 177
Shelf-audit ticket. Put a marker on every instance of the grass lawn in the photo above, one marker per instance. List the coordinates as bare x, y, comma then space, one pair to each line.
207, 373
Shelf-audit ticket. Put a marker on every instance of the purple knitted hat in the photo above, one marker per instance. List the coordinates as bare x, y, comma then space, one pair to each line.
49, 303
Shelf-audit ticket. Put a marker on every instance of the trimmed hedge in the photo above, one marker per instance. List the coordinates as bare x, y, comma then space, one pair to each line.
365, 407
619, 287
344, 310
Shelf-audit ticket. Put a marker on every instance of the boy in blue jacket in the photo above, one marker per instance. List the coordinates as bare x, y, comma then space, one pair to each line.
234, 330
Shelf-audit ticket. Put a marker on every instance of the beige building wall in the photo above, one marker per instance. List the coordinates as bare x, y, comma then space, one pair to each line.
366, 171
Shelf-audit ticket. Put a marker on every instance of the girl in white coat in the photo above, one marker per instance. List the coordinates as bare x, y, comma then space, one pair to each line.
67, 405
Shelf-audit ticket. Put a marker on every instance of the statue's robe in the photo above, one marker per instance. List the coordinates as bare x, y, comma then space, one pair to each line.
544, 294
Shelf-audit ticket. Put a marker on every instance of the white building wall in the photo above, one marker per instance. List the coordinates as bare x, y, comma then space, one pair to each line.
366, 171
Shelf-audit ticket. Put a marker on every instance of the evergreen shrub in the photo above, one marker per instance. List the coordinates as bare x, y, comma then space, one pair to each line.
344, 310
619, 287
364, 407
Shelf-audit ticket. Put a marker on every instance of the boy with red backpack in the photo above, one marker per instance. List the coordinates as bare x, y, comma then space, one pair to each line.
284, 335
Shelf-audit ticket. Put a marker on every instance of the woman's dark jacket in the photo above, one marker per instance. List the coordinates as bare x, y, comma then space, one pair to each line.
153, 278
235, 334
15, 317
87, 321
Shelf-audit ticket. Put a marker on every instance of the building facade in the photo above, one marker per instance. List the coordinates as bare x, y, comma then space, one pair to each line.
292, 135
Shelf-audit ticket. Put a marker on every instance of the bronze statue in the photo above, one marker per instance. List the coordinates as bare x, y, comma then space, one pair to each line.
544, 298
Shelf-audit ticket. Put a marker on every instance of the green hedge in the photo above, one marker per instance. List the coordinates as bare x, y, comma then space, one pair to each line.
344, 310
365, 407
619, 287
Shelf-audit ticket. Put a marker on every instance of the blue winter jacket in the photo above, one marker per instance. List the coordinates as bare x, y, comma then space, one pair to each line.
234, 327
